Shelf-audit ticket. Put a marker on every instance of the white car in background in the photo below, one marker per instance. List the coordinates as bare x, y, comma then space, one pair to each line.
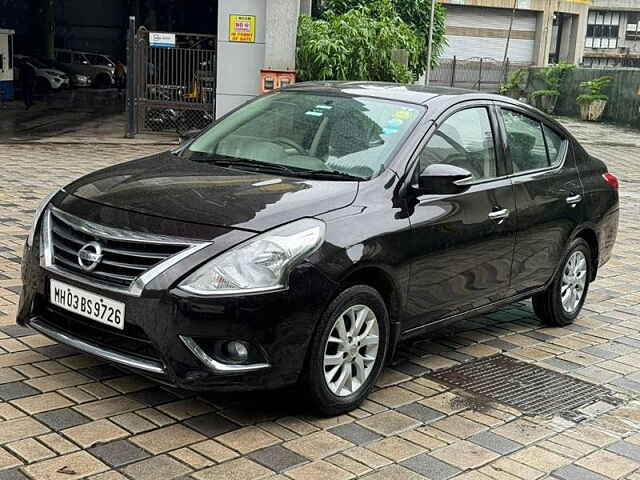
47, 78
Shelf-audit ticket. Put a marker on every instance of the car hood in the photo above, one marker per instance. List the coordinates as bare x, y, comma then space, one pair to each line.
175, 188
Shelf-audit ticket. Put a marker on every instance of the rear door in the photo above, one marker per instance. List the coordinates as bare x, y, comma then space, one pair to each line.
462, 244
548, 194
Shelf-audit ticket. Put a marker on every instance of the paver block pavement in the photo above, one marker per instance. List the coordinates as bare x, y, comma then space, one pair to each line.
68, 415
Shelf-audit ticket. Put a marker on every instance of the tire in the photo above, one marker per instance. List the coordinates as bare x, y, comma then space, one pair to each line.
327, 400
548, 305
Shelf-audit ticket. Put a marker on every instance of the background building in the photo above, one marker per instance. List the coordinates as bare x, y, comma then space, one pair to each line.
479, 28
613, 33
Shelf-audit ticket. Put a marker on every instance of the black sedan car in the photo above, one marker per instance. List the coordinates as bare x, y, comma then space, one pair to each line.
305, 234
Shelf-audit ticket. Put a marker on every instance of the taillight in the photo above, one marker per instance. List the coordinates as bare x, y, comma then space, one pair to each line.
611, 179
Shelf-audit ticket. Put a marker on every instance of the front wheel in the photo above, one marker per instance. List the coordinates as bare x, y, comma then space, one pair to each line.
561, 303
348, 351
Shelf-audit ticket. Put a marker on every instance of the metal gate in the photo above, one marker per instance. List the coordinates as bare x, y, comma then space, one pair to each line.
175, 84
485, 74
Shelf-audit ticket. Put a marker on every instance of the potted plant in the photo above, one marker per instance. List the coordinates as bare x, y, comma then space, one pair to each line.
515, 85
552, 78
593, 103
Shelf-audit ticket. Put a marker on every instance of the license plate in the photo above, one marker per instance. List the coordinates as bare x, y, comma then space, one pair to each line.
96, 307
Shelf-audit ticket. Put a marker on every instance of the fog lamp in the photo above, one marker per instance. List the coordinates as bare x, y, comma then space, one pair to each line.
237, 351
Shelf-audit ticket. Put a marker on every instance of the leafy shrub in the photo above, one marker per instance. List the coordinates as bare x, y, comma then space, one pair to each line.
416, 14
552, 78
516, 83
357, 45
594, 89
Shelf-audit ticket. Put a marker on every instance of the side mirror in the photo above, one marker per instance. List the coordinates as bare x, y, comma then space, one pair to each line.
441, 179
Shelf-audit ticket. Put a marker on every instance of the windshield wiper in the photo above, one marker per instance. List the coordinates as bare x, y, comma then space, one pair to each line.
251, 164
330, 174
225, 161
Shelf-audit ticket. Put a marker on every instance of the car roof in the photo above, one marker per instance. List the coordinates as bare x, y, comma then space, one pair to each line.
389, 91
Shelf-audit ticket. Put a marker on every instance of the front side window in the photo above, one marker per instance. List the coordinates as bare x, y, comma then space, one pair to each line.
525, 139
464, 140
311, 132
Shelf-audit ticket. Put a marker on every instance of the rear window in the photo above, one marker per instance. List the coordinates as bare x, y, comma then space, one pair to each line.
554, 145
526, 142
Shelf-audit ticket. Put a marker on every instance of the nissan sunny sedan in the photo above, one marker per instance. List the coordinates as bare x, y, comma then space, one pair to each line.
305, 234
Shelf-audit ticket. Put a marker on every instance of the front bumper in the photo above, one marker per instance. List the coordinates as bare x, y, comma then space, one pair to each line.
279, 326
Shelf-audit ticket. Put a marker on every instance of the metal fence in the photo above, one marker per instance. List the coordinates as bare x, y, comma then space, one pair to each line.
175, 87
485, 74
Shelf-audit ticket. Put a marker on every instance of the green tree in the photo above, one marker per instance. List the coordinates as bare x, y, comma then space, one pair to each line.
415, 13
357, 45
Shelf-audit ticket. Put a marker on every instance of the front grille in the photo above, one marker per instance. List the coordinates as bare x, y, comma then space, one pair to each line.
123, 259
131, 341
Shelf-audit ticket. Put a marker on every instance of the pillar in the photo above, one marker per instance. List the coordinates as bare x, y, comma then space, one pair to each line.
544, 32
281, 32
577, 37
239, 63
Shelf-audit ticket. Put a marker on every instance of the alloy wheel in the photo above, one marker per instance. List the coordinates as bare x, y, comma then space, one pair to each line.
351, 350
574, 279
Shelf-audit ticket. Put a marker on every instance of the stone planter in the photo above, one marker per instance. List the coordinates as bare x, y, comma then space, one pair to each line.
592, 111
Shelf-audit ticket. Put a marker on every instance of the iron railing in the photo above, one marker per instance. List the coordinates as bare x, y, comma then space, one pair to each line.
484, 74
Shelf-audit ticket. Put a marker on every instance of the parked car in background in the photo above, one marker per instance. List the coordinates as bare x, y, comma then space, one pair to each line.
47, 78
99, 59
77, 80
102, 76
301, 237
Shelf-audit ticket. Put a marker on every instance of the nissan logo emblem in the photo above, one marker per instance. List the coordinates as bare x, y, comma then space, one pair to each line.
90, 256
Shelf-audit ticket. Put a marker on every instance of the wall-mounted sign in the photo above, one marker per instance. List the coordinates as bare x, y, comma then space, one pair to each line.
242, 28
161, 39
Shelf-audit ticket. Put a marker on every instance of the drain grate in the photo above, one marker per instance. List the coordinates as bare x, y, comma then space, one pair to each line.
533, 390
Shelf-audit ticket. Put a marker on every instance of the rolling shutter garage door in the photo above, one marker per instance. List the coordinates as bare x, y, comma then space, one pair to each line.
482, 32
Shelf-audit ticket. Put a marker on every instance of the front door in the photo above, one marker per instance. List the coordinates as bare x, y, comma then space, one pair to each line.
462, 244
548, 195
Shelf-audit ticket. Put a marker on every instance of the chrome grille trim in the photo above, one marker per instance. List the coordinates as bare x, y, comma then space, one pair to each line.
116, 234
52, 260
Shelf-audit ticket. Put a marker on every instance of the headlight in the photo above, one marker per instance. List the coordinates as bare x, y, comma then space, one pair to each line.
262, 264
37, 215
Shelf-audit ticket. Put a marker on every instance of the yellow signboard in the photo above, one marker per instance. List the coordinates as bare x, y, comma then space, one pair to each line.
242, 28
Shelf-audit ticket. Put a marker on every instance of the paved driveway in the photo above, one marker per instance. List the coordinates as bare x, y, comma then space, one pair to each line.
68, 416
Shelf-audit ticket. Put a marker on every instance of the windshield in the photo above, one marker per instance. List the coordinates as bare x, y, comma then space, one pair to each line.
355, 136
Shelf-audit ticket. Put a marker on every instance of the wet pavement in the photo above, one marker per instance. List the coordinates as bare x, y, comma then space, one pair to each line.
44, 123
65, 415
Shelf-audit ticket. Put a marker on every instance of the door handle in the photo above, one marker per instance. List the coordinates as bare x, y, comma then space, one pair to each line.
499, 215
574, 200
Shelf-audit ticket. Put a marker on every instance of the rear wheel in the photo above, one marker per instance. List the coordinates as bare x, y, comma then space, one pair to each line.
348, 352
561, 303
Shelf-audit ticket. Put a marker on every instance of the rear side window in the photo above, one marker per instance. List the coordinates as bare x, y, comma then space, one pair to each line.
554, 146
526, 142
